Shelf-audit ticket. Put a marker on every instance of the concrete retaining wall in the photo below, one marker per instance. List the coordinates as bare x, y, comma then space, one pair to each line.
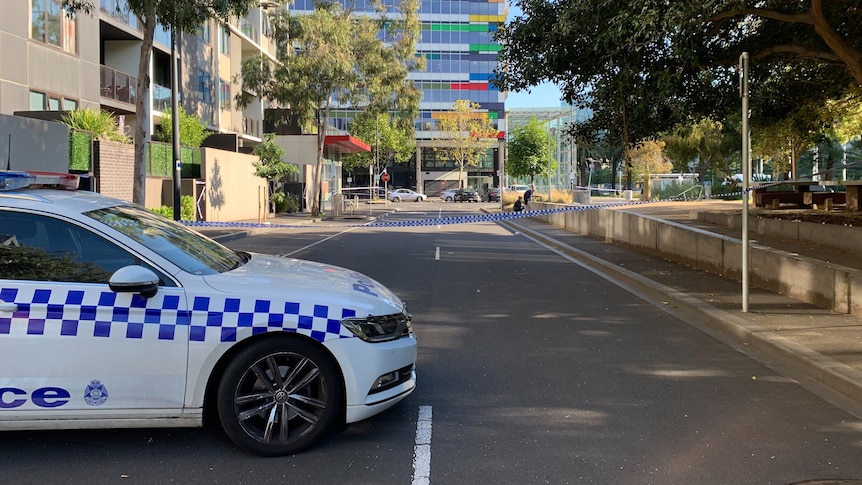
826, 285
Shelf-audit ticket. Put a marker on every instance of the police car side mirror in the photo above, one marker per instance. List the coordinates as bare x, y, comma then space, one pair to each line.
135, 279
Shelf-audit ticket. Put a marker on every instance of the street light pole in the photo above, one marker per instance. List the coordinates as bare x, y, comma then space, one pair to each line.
746, 175
175, 122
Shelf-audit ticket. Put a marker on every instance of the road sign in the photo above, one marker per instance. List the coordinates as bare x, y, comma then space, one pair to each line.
384, 177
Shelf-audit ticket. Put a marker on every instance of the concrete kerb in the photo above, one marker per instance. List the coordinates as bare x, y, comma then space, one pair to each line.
835, 375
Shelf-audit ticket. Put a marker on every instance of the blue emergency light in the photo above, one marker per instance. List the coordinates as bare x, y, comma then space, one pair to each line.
10, 180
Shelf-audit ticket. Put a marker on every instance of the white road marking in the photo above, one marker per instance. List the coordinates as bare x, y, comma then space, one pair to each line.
422, 450
318, 242
437, 254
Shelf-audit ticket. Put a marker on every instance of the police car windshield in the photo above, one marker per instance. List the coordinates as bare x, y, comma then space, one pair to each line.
181, 246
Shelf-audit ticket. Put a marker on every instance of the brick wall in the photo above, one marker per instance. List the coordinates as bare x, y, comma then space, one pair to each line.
114, 168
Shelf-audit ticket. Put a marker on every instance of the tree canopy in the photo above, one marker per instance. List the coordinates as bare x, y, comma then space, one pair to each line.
389, 140
529, 153
466, 135
337, 58
647, 66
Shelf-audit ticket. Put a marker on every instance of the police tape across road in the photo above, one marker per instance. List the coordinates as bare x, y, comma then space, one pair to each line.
440, 221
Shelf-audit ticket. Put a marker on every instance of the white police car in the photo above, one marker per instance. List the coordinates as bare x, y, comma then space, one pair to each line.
112, 316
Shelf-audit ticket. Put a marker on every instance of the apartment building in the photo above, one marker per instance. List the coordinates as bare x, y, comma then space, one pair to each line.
52, 61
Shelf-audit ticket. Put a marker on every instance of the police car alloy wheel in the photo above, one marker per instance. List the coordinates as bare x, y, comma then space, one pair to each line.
279, 396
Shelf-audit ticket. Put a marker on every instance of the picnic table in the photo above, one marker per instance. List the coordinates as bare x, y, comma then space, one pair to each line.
806, 193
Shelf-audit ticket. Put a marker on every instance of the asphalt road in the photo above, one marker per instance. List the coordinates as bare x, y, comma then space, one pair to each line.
536, 371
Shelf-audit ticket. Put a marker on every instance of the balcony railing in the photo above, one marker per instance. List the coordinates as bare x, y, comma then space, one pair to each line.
249, 31
117, 85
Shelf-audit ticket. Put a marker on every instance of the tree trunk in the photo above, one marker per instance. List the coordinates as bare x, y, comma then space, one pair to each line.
142, 110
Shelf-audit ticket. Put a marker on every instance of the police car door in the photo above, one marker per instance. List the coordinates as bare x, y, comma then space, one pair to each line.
70, 347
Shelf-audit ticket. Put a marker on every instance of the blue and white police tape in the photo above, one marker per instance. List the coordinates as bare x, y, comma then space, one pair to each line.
467, 219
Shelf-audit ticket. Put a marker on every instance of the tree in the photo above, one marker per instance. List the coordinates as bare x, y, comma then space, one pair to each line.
699, 143
648, 158
389, 140
185, 16
528, 150
192, 130
468, 133
335, 58
644, 66
271, 165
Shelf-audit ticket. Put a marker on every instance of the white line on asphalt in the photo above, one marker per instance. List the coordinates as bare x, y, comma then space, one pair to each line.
318, 242
437, 254
422, 450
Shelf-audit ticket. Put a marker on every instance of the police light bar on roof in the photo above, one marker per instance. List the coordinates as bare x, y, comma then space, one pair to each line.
19, 180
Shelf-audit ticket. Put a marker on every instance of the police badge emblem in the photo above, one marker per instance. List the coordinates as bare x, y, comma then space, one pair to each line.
95, 394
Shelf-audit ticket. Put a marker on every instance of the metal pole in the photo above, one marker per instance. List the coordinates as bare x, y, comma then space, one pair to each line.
550, 155
175, 120
746, 176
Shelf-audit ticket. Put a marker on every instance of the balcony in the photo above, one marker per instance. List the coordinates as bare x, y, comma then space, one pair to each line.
117, 85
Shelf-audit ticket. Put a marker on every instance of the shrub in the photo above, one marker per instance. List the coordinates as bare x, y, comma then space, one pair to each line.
100, 123
187, 209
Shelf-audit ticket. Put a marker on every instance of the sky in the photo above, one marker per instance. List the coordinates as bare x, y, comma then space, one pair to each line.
542, 96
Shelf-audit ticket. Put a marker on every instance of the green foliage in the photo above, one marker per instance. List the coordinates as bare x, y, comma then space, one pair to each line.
614, 58
100, 123
528, 150
388, 137
270, 164
80, 151
193, 131
160, 161
291, 203
187, 209
334, 56
467, 134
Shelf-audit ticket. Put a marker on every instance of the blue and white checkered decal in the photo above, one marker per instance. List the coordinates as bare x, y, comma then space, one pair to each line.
104, 314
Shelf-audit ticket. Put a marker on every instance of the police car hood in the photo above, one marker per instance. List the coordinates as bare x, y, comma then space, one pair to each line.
282, 278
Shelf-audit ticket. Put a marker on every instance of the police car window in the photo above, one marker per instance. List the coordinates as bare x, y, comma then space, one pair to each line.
183, 247
40, 248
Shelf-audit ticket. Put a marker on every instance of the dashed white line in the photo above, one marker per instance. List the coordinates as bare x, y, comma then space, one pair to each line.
437, 254
422, 450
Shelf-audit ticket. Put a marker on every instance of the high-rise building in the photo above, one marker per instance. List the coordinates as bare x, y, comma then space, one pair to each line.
461, 56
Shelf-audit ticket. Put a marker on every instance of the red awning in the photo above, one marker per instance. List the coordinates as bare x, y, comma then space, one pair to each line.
346, 144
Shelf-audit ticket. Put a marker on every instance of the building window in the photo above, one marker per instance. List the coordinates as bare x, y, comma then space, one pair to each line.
224, 94
37, 101
224, 39
204, 86
50, 24
44, 102
204, 32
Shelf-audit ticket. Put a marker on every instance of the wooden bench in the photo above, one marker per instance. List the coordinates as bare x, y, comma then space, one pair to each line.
819, 198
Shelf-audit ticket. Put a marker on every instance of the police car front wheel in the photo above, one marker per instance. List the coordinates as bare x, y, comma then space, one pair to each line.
279, 396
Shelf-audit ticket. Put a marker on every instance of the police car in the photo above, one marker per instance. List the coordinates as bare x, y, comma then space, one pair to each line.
112, 316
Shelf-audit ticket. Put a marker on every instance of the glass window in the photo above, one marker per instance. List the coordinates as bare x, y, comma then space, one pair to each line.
39, 248
224, 40
204, 86
224, 94
37, 101
70, 104
50, 24
53, 104
183, 247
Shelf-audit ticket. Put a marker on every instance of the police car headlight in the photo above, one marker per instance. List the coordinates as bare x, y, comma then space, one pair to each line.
379, 328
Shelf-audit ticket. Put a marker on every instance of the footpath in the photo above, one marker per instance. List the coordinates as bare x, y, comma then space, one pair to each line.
823, 346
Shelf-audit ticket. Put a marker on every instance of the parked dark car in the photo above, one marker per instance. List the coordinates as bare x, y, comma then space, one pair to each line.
466, 195
491, 195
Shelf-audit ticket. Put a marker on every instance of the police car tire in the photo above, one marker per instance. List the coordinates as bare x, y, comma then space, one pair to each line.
240, 380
